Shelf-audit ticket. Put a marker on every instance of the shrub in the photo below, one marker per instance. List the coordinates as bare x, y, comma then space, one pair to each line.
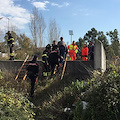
1, 75
101, 93
14, 106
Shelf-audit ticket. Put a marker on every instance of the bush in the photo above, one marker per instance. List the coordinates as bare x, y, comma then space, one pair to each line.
1, 75
14, 106
101, 93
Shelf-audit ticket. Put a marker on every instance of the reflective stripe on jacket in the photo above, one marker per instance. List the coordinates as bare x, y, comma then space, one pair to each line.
11, 41
45, 56
11, 54
73, 48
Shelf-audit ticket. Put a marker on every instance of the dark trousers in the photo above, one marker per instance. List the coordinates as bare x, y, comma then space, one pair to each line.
53, 65
62, 52
11, 52
92, 56
33, 79
46, 70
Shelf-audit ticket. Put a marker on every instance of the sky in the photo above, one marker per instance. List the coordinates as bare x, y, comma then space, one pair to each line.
77, 15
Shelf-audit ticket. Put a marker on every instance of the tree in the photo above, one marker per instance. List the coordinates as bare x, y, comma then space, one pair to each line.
91, 35
53, 31
24, 42
94, 35
103, 39
114, 41
24, 46
80, 43
37, 27
41, 30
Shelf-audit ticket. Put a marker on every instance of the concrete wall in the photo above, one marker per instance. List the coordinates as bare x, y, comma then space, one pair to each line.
79, 69
76, 69
3, 54
99, 57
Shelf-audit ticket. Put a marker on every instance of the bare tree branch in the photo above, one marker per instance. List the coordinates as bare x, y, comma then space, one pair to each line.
53, 31
37, 27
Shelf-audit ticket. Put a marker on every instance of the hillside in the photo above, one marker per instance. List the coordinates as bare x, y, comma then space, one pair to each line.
100, 93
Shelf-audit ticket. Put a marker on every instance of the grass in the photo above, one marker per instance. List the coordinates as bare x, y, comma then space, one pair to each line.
50, 96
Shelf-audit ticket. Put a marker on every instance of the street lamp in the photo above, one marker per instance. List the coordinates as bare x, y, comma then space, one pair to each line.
8, 23
71, 33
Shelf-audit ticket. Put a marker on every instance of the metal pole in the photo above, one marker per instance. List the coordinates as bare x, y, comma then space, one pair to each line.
71, 38
8, 23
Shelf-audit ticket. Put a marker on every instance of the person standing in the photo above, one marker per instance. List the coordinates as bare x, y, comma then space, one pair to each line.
91, 50
54, 59
72, 50
33, 70
11, 45
62, 47
54, 45
46, 69
85, 52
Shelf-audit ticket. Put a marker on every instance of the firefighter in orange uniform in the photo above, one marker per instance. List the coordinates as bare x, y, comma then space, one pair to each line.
72, 49
85, 52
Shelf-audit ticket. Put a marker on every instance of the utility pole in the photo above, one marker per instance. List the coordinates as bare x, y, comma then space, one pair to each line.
71, 33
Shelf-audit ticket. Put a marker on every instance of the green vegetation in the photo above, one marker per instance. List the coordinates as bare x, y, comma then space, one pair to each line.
110, 41
24, 45
13, 104
47, 103
101, 93
52, 96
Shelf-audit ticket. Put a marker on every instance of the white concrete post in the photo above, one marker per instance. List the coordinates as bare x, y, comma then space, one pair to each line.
99, 57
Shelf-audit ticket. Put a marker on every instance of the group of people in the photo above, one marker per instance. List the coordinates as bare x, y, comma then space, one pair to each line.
60, 49
53, 56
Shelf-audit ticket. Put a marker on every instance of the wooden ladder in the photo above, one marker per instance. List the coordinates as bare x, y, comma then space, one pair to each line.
22, 70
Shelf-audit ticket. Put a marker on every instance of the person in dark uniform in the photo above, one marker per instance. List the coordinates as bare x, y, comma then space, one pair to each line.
54, 45
11, 45
33, 69
46, 69
54, 59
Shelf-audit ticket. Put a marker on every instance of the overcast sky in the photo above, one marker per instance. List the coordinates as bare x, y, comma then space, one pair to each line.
77, 15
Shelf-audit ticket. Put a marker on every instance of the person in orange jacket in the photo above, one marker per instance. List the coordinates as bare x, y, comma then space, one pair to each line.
85, 52
72, 49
